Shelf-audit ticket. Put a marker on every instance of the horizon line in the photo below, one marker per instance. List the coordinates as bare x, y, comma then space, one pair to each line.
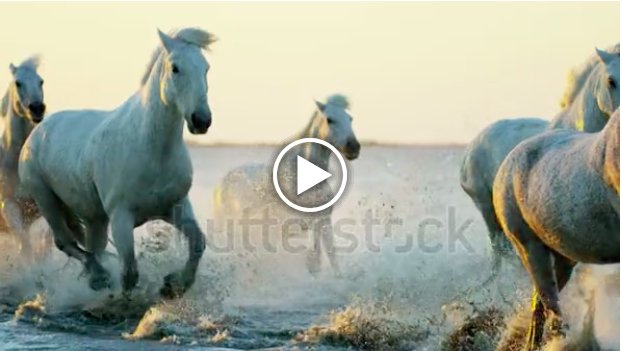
194, 143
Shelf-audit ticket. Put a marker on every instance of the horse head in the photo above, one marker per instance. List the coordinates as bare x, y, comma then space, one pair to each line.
607, 89
183, 78
27, 90
335, 126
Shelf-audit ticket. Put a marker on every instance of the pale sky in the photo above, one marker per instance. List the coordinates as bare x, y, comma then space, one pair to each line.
415, 72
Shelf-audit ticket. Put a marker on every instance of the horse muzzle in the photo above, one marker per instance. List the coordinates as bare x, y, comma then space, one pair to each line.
37, 110
352, 149
200, 122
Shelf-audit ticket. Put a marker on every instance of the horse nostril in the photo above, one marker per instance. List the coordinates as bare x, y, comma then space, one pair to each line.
201, 122
37, 108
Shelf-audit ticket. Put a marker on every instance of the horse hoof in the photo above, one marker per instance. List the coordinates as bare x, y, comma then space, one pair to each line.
558, 328
129, 280
127, 295
173, 286
99, 282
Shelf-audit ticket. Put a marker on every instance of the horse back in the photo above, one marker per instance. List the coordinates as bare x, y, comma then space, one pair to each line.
485, 153
249, 184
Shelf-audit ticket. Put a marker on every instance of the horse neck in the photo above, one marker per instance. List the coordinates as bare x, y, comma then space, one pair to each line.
16, 126
583, 113
313, 152
161, 125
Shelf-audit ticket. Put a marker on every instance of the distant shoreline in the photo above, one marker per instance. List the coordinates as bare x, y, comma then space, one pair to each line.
363, 143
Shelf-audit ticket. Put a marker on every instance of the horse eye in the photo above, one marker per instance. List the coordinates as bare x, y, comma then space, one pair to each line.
175, 69
330, 121
41, 83
612, 83
18, 84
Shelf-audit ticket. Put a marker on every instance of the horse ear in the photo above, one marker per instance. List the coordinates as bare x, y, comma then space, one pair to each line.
167, 42
320, 106
12, 68
604, 56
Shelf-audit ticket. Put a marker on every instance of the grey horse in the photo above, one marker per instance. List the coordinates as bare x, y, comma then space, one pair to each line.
588, 101
557, 197
87, 169
249, 188
22, 107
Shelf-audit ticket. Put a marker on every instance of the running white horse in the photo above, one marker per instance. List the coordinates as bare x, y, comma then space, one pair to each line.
557, 197
86, 169
248, 189
22, 107
591, 97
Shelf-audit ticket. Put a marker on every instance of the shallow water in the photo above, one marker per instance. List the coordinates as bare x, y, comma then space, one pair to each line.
390, 295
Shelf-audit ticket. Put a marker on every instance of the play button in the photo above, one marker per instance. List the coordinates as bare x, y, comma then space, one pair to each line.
311, 191
308, 175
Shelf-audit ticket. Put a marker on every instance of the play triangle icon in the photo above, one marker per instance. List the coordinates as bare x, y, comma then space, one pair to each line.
308, 175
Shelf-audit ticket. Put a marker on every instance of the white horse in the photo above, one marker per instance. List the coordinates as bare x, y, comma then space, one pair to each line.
249, 188
591, 97
22, 107
557, 197
87, 169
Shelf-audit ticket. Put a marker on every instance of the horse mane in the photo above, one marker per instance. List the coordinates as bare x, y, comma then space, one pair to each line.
32, 62
338, 100
577, 76
192, 36
4, 105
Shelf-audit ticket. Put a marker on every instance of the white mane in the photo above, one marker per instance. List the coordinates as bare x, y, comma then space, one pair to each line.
32, 62
578, 75
4, 105
338, 100
192, 36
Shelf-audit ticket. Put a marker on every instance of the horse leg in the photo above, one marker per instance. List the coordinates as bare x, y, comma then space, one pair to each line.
96, 238
12, 215
182, 217
537, 259
501, 246
122, 229
326, 234
313, 260
51, 208
563, 270
536, 325
76, 227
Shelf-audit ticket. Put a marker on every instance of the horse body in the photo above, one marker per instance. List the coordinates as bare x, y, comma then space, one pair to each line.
89, 169
556, 196
551, 159
248, 189
587, 105
22, 107
99, 178
483, 157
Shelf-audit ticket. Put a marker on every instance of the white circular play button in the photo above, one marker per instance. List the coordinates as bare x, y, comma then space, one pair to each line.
308, 176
